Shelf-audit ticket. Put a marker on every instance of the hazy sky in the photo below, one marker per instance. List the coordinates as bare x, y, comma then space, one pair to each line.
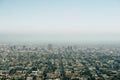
56, 20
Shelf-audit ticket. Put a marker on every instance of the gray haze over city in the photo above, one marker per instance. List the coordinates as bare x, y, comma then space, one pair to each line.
60, 21
59, 39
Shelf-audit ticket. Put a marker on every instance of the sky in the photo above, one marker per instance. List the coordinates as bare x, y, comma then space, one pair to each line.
60, 20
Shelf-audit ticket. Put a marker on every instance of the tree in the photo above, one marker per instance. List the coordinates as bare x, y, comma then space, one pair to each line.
12, 71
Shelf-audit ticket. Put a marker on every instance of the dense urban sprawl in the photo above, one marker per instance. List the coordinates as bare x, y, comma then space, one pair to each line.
59, 62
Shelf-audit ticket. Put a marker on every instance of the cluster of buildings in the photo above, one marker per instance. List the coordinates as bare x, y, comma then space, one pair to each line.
58, 62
